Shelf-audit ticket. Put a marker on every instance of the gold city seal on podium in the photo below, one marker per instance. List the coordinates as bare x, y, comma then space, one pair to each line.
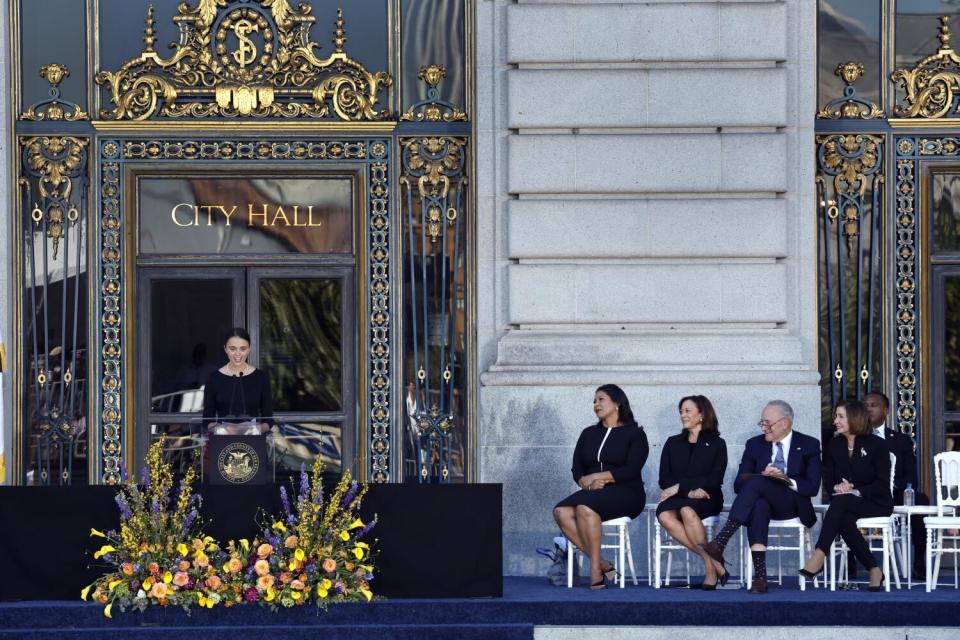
238, 463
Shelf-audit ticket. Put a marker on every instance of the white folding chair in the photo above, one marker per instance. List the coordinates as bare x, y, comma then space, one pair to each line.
778, 540
617, 529
881, 530
662, 542
946, 468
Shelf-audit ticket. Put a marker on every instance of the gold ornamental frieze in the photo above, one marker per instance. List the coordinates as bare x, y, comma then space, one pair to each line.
244, 59
931, 87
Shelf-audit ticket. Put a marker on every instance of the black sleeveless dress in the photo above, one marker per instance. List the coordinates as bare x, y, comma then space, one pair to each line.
620, 450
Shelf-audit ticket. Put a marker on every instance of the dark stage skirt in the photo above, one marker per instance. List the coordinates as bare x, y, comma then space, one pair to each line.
610, 502
704, 508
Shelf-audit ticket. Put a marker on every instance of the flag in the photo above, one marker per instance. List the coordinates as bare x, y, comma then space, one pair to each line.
3, 424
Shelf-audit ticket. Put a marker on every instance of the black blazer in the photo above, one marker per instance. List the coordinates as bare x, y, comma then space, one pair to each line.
905, 471
868, 469
803, 467
623, 454
702, 470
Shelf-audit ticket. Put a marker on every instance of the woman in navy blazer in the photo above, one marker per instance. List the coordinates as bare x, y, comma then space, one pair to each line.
856, 472
692, 466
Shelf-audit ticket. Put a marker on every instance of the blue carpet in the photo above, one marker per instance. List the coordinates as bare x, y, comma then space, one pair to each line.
526, 602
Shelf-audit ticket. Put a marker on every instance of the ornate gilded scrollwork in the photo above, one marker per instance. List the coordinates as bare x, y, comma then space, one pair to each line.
932, 86
433, 109
906, 254
236, 59
55, 161
54, 108
853, 161
850, 105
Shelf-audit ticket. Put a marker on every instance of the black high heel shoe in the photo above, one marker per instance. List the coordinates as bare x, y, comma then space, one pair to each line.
878, 587
601, 584
812, 575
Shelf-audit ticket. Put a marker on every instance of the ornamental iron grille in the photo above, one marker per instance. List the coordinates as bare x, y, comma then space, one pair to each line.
434, 216
54, 190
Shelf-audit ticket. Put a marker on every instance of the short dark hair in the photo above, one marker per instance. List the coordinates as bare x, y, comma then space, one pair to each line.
619, 398
858, 421
711, 426
883, 398
237, 332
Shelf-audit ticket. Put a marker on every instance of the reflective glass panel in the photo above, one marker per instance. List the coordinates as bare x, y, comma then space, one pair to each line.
917, 28
432, 33
301, 341
951, 344
297, 443
236, 215
946, 212
951, 432
849, 30
188, 319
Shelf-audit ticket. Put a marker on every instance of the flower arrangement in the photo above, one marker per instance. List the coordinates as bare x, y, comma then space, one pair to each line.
312, 552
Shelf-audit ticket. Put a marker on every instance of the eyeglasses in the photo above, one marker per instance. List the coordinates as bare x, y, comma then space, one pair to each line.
769, 425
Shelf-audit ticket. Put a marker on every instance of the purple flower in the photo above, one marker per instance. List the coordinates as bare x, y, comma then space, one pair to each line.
304, 483
286, 502
368, 577
145, 478
133, 586
123, 473
188, 521
366, 528
351, 494
125, 512
251, 594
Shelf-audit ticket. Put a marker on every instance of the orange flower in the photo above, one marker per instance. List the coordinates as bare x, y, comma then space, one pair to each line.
197, 544
329, 565
264, 582
234, 565
184, 565
127, 568
349, 566
158, 590
214, 582
264, 550
262, 567
180, 578
296, 584
286, 577
201, 560
291, 542
154, 568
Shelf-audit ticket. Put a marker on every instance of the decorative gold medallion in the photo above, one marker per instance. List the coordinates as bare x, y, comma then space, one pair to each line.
238, 463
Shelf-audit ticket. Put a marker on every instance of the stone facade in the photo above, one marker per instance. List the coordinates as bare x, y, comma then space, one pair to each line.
644, 186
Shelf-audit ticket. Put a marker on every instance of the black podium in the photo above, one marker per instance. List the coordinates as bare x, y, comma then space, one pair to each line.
237, 460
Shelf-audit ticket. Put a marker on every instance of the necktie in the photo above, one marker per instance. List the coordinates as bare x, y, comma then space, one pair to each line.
778, 460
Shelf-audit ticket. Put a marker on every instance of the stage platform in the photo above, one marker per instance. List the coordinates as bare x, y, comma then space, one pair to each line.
529, 608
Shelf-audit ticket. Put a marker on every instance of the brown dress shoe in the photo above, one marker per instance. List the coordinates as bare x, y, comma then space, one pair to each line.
759, 585
713, 550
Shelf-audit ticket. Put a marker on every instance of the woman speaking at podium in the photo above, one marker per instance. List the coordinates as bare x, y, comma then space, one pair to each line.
236, 398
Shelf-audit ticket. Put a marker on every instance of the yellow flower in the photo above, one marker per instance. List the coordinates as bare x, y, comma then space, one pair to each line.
299, 555
245, 544
168, 577
104, 550
106, 610
279, 526
85, 592
321, 591
363, 545
344, 536
98, 534
183, 549
326, 584
358, 552
366, 567
114, 584
210, 603
201, 600
271, 594
367, 593
356, 524
293, 565
296, 595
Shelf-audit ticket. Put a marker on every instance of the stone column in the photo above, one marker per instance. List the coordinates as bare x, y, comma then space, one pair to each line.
645, 189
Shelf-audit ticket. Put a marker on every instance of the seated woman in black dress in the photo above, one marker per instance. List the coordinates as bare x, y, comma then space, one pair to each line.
237, 398
856, 471
607, 465
691, 476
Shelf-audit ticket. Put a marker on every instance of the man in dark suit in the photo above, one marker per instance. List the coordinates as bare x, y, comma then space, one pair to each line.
779, 473
904, 473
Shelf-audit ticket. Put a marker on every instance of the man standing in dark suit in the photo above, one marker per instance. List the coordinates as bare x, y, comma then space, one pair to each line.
779, 473
905, 471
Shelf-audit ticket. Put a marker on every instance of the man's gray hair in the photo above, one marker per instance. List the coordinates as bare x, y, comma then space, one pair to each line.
783, 407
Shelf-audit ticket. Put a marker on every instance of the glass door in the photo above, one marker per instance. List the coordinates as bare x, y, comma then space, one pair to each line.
945, 352
302, 328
